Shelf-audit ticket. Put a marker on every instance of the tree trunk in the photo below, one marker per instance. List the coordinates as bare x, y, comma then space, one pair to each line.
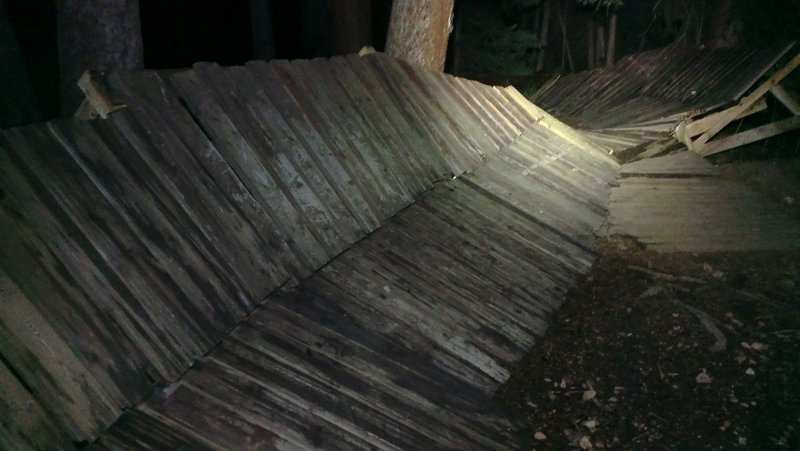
601, 46
96, 34
18, 105
262, 30
543, 38
352, 24
722, 32
612, 40
590, 45
419, 30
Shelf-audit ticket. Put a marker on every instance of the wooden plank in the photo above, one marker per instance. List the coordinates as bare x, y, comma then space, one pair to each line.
346, 125
691, 128
306, 420
424, 145
378, 400
749, 136
26, 425
312, 89
258, 172
551, 123
400, 292
786, 98
139, 430
355, 336
361, 109
104, 332
745, 103
211, 285
317, 161
474, 145
300, 166
153, 153
183, 144
371, 97
220, 425
423, 113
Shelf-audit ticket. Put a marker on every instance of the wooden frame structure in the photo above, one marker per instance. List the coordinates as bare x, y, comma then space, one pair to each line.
704, 129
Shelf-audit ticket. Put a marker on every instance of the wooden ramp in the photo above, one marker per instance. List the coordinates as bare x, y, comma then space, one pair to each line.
683, 203
645, 96
136, 245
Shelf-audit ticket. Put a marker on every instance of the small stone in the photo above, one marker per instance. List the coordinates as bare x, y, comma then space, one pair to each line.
750, 372
589, 395
563, 384
742, 441
718, 274
591, 424
788, 199
540, 436
756, 346
585, 443
703, 378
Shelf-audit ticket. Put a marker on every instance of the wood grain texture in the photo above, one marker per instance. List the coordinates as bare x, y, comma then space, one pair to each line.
131, 246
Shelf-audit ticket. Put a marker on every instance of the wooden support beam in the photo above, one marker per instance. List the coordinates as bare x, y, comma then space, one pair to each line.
689, 129
786, 98
749, 136
745, 103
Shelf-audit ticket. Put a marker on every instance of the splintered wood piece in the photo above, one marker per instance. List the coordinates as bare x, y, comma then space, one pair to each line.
694, 128
786, 98
746, 103
749, 136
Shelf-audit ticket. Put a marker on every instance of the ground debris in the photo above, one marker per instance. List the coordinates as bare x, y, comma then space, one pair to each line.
640, 346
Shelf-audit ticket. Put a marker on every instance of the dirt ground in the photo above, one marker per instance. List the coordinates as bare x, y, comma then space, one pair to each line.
669, 352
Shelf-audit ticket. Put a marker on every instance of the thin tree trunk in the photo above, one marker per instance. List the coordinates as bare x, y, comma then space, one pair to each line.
720, 33
96, 34
562, 19
352, 24
419, 30
601, 46
262, 30
612, 40
590, 46
18, 105
543, 38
